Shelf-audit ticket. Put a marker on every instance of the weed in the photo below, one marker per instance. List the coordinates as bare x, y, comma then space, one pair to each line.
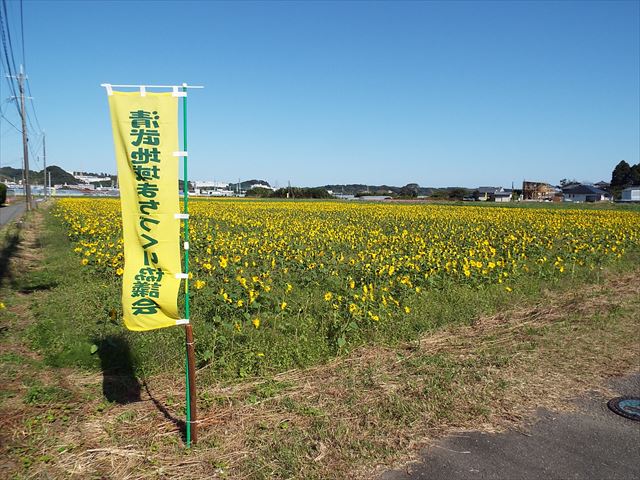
126, 417
43, 395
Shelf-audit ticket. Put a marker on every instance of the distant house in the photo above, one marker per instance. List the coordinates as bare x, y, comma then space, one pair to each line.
584, 193
492, 194
631, 194
214, 193
502, 196
483, 194
539, 191
602, 185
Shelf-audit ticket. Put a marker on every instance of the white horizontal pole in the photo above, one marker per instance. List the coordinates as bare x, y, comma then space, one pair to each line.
149, 86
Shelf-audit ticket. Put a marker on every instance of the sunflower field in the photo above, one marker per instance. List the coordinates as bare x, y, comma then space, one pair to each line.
323, 275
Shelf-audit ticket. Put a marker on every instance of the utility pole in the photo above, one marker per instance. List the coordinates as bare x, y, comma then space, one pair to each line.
44, 156
25, 140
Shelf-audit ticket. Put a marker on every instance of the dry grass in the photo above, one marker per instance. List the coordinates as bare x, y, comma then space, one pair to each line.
353, 417
341, 419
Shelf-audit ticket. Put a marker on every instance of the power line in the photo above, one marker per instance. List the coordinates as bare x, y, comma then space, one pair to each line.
32, 144
31, 127
6, 20
3, 104
9, 122
8, 78
7, 132
33, 108
24, 61
19, 78
5, 34
10, 61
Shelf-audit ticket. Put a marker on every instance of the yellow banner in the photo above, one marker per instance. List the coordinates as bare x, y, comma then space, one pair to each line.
145, 133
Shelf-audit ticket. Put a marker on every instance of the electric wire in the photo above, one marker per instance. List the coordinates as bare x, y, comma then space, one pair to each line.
28, 84
7, 61
33, 108
8, 131
36, 140
4, 31
3, 106
6, 20
10, 77
10, 123
12, 69
24, 60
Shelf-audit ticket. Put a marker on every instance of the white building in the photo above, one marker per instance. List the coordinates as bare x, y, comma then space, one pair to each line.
502, 195
90, 178
209, 184
584, 193
492, 194
209, 188
631, 194
214, 193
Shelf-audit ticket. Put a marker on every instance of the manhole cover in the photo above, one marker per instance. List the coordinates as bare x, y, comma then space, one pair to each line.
628, 407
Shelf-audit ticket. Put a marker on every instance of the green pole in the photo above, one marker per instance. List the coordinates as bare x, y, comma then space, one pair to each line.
190, 360
185, 189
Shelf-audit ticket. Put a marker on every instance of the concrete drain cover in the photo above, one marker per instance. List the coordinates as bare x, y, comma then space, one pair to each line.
628, 407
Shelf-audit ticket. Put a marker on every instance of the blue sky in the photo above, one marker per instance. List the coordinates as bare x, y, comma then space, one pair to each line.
437, 93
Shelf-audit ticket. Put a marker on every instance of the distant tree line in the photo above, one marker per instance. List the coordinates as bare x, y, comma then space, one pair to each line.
58, 175
289, 192
260, 192
623, 176
409, 191
453, 193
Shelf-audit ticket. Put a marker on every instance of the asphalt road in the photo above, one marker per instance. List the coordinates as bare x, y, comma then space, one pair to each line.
12, 211
593, 443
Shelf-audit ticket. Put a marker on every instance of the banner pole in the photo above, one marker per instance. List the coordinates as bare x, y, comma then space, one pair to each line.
190, 381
